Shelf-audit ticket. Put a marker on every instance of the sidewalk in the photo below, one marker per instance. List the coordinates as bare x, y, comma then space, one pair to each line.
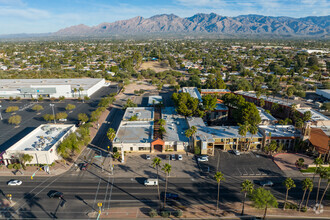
207, 211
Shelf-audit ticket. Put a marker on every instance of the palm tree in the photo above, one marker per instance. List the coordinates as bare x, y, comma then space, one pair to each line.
156, 163
80, 90
74, 92
253, 129
310, 188
111, 134
300, 162
243, 129
263, 198
289, 184
322, 171
247, 188
167, 169
161, 122
325, 190
318, 162
306, 184
218, 177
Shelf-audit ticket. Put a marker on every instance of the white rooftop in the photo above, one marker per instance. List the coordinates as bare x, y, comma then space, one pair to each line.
269, 99
15, 84
143, 113
193, 92
280, 130
135, 132
316, 116
42, 138
154, 100
176, 125
265, 116
215, 90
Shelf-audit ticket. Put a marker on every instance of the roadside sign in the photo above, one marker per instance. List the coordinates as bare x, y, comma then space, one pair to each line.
97, 156
99, 204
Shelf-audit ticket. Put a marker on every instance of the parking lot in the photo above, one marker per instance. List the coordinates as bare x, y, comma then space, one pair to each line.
10, 134
246, 164
136, 165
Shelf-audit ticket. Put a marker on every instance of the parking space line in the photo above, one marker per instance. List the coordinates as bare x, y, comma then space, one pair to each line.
239, 172
245, 172
251, 171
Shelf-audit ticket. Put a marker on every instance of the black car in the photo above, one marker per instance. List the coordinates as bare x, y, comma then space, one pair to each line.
55, 194
171, 196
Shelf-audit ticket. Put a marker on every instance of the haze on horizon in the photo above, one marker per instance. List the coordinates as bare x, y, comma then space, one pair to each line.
43, 16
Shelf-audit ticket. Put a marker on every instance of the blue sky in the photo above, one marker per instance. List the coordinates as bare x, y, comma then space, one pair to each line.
42, 16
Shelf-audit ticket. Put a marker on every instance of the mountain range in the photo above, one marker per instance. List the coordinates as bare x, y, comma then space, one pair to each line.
208, 24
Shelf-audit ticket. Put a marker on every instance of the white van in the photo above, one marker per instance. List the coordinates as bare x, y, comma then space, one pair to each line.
151, 182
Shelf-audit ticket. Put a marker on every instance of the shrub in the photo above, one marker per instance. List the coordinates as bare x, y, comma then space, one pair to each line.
48, 117
115, 149
61, 115
12, 109
153, 213
165, 214
37, 108
10, 166
15, 119
70, 107
291, 206
177, 213
303, 209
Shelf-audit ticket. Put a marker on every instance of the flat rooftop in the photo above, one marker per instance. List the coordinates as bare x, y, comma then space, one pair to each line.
154, 100
176, 125
265, 116
269, 99
316, 116
42, 138
216, 90
280, 130
143, 113
208, 133
193, 92
16, 84
135, 132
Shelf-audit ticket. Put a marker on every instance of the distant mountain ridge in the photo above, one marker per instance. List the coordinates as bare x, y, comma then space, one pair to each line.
208, 23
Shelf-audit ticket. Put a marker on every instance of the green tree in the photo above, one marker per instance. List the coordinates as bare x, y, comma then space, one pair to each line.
307, 116
325, 190
111, 134
83, 117
162, 122
263, 199
156, 163
253, 129
247, 188
306, 184
25, 158
300, 162
167, 169
318, 162
15, 119
242, 130
61, 115
289, 184
218, 177
209, 102
11, 109
70, 107
37, 108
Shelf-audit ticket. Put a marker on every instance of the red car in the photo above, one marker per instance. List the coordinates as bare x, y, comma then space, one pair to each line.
84, 166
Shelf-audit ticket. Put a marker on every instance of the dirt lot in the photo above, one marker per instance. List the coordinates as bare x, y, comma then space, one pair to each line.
155, 65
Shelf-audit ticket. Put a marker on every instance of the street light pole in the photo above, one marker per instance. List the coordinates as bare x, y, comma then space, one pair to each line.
52, 105
0, 113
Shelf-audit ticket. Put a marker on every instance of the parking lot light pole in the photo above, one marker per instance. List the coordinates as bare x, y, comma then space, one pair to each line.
52, 105
0, 113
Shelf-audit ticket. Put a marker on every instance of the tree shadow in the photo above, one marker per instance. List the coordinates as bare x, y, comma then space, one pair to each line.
83, 201
24, 213
32, 200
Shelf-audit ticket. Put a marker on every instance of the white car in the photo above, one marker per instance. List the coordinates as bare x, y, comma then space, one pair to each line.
203, 158
236, 152
179, 157
14, 183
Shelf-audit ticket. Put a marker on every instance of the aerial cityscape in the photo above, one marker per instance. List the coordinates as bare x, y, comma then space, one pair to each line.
210, 109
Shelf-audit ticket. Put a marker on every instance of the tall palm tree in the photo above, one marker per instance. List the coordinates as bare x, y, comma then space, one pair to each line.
289, 184
247, 188
80, 90
167, 169
263, 198
310, 188
326, 189
322, 171
243, 129
156, 163
318, 162
219, 177
253, 129
306, 184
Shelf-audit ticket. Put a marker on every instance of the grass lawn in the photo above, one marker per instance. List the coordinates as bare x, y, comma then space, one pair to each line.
311, 170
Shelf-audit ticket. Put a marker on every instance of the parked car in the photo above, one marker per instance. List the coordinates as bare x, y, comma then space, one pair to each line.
179, 157
151, 182
148, 157
63, 119
173, 157
84, 166
203, 158
264, 183
55, 194
236, 152
173, 196
14, 183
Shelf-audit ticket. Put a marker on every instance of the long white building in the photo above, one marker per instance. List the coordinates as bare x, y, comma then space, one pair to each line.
47, 88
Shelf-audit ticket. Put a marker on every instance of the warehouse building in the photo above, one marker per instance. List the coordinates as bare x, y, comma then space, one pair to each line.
47, 88
41, 144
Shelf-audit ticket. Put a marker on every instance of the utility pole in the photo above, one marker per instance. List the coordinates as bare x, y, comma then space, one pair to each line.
0, 113
52, 105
